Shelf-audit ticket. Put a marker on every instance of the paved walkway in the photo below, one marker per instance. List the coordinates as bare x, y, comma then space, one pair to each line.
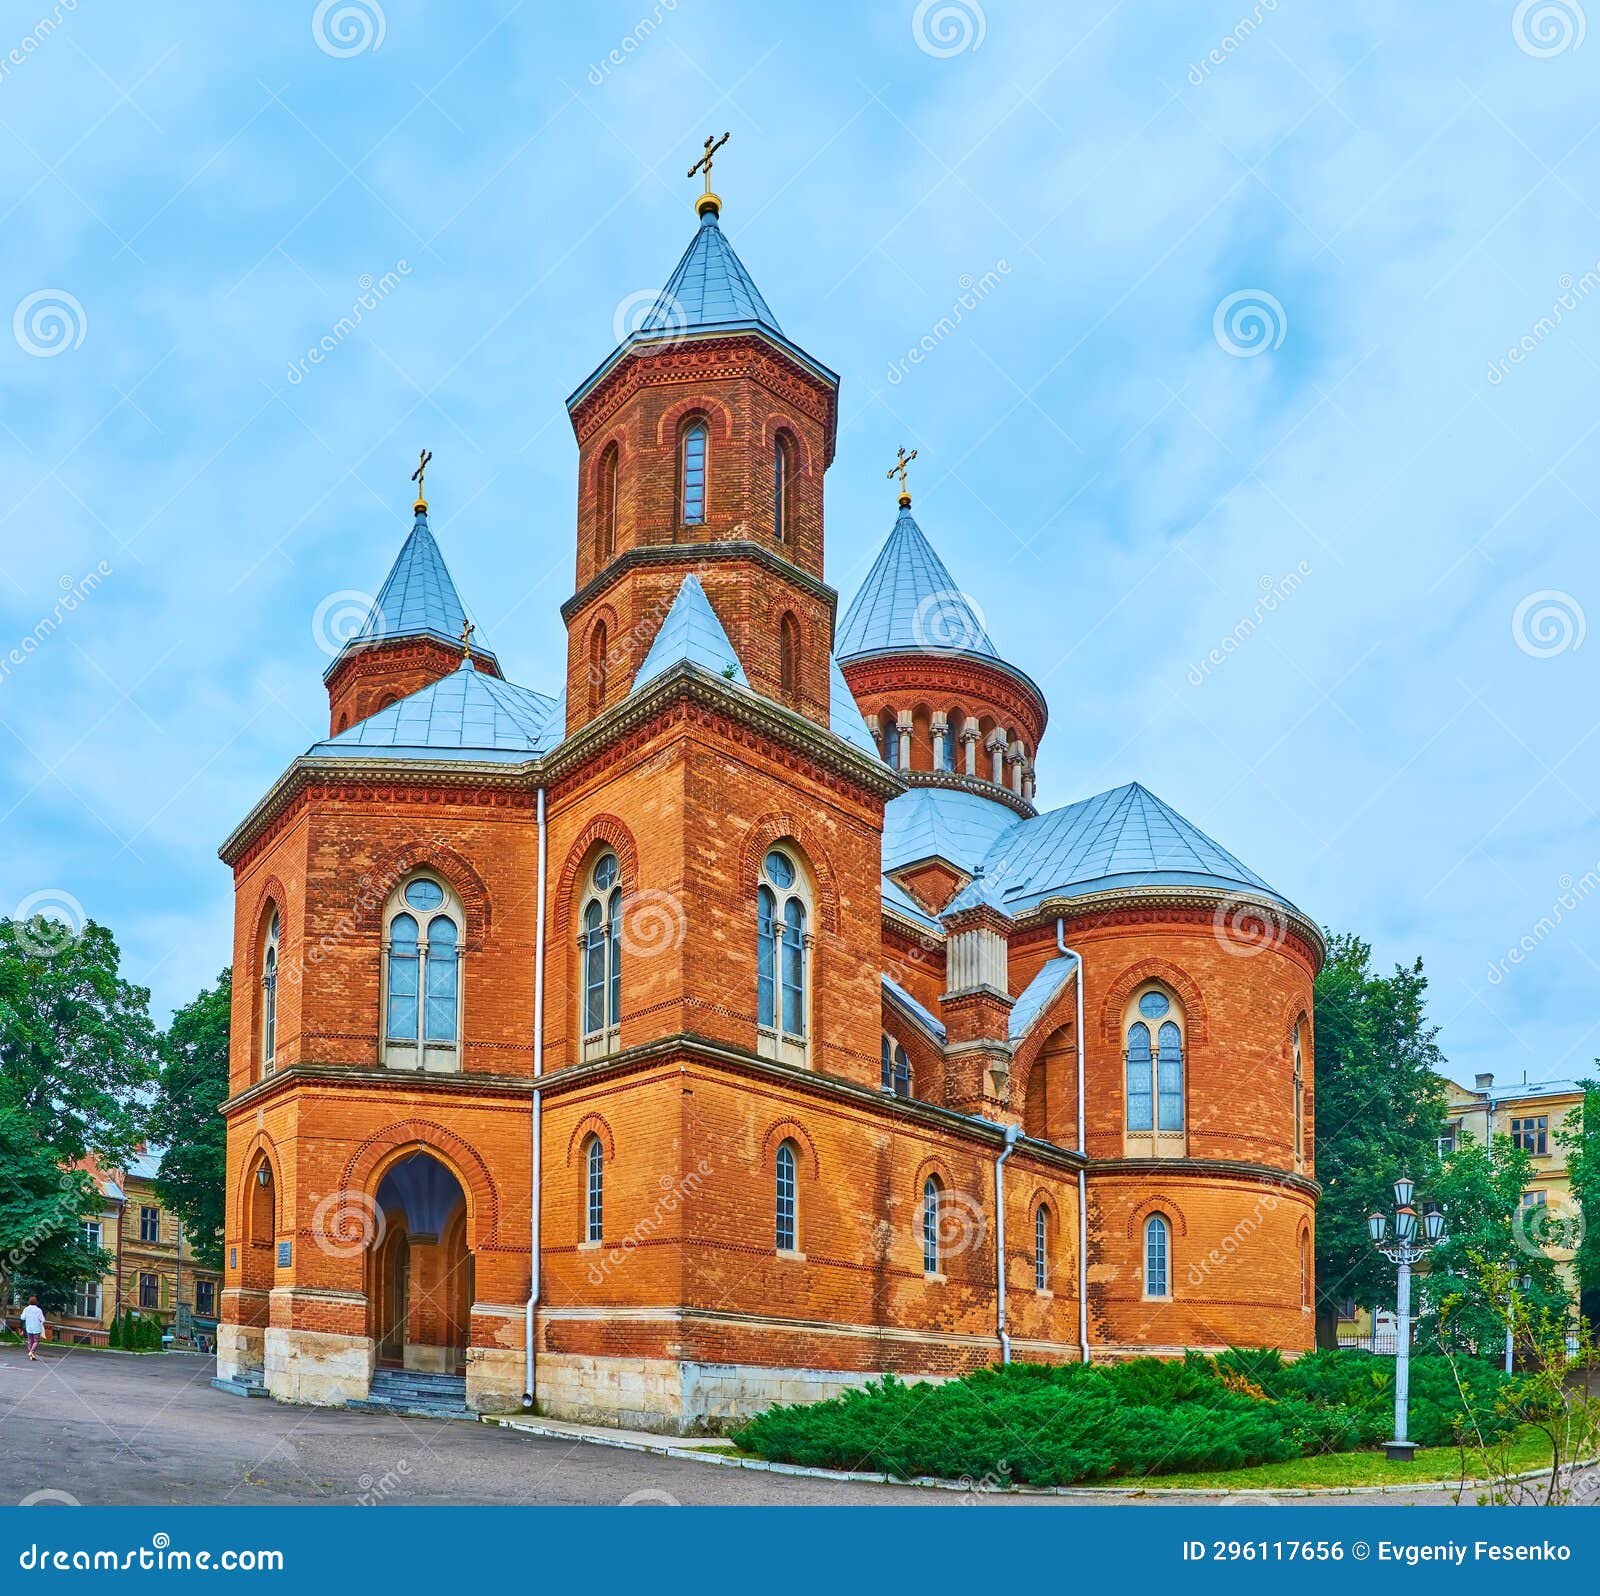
108, 1428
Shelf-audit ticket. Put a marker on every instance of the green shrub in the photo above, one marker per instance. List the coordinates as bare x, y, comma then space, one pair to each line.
114, 1334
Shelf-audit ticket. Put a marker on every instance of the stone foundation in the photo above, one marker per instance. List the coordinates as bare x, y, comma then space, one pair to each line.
495, 1379
428, 1359
241, 1352
674, 1398
317, 1367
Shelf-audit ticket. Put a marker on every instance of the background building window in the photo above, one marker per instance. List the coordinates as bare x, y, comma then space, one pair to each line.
149, 1291
785, 1194
86, 1305
149, 1224
1532, 1135
205, 1298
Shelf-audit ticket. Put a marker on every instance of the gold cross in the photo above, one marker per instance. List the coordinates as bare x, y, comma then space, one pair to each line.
423, 459
708, 200
467, 629
899, 469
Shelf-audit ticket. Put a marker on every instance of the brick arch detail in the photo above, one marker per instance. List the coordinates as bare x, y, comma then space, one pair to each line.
1164, 1206
718, 416
788, 1130
1060, 1012
259, 1145
272, 890
776, 826
1196, 1023
603, 828
1042, 1197
366, 1166
778, 421
395, 864
592, 1125
933, 1164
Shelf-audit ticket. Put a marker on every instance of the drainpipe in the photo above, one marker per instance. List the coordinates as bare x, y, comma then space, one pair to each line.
1083, 1175
1000, 1240
535, 1183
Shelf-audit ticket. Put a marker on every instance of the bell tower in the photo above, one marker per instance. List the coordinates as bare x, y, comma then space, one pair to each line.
702, 442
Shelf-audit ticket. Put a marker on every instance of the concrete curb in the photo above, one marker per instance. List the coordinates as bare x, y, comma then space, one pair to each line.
596, 1437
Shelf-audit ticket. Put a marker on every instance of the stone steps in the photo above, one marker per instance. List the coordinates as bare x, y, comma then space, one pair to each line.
434, 1396
240, 1388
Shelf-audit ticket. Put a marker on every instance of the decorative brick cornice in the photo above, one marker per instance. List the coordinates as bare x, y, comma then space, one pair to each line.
1206, 1169
381, 655
976, 785
929, 672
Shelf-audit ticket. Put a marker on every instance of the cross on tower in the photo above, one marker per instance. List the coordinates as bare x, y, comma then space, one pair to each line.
708, 200
423, 458
898, 469
467, 629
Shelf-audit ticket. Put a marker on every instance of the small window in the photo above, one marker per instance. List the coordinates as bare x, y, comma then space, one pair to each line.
785, 1199
789, 656
694, 475
1041, 1248
86, 1304
149, 1224
932, 1193
1446, 1144
1532, 1135
599, 663
896, 1071
205, 1298
782, 475
1156, 1257
90, 1231
605, 535
594, 1156
149, 1291
1535, 1199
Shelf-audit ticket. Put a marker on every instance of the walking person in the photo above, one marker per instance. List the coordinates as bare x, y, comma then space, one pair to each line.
33, 1327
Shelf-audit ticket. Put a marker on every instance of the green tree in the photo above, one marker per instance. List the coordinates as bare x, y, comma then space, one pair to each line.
1379, 1112
76, 1040
42, 1247
185, 1117
1579, 1138
1488, 1236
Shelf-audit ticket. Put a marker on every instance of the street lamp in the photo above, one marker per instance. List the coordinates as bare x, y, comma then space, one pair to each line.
1406, 1248
1526, 1285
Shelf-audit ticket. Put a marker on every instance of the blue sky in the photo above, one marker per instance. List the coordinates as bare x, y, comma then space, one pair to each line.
1117, 460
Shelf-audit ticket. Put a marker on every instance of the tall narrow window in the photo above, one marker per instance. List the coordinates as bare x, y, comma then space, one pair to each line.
1299, 1098
782, 470
896, 1072
594, 1165
786, 1229
1041, 1248
1305, 1270
600, 947
269, 996
789, 656
422, 977
1169, 1078
889, 722
599, 649
1156, 1257
1153, 1073
950, 742
1140, 1117
932, 1191
782, 957
694, 474
605, 506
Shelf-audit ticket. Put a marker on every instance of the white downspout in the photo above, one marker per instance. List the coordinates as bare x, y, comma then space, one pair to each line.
531, 1388
1000, 1241
1083, 1177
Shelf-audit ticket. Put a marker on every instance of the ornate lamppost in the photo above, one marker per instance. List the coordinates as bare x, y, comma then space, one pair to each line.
1405, 1248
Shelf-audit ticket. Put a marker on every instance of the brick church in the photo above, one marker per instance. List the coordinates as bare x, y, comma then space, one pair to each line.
735, 1022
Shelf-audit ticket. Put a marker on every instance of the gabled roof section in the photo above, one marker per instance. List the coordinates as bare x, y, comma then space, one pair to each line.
1126, 837
1039, 994
417, 599
910, 603
925, 1017
844, 713
466, 714
709, 287
691, 632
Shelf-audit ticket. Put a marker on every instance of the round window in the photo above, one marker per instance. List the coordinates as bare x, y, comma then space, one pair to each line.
1153, 1005
424, 894
605, 873
780, 869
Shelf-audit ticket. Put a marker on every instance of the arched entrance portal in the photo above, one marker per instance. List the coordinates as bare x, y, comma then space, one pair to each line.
419, 1271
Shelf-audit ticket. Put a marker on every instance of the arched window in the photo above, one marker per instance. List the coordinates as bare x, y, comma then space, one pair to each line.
600, 948
692, 472
1041, 1248
787, 1229
932, 1194
599, 648
782, 957
269, 996
789, 656
1305, 1270
605, 506
422, 977
949, 745
1153, 1074
889, 732
594, 1189
1299, 1098
1157, 1257
896, 1074
782, 478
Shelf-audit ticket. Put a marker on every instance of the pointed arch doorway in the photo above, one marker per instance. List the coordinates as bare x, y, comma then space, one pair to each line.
419, 1268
